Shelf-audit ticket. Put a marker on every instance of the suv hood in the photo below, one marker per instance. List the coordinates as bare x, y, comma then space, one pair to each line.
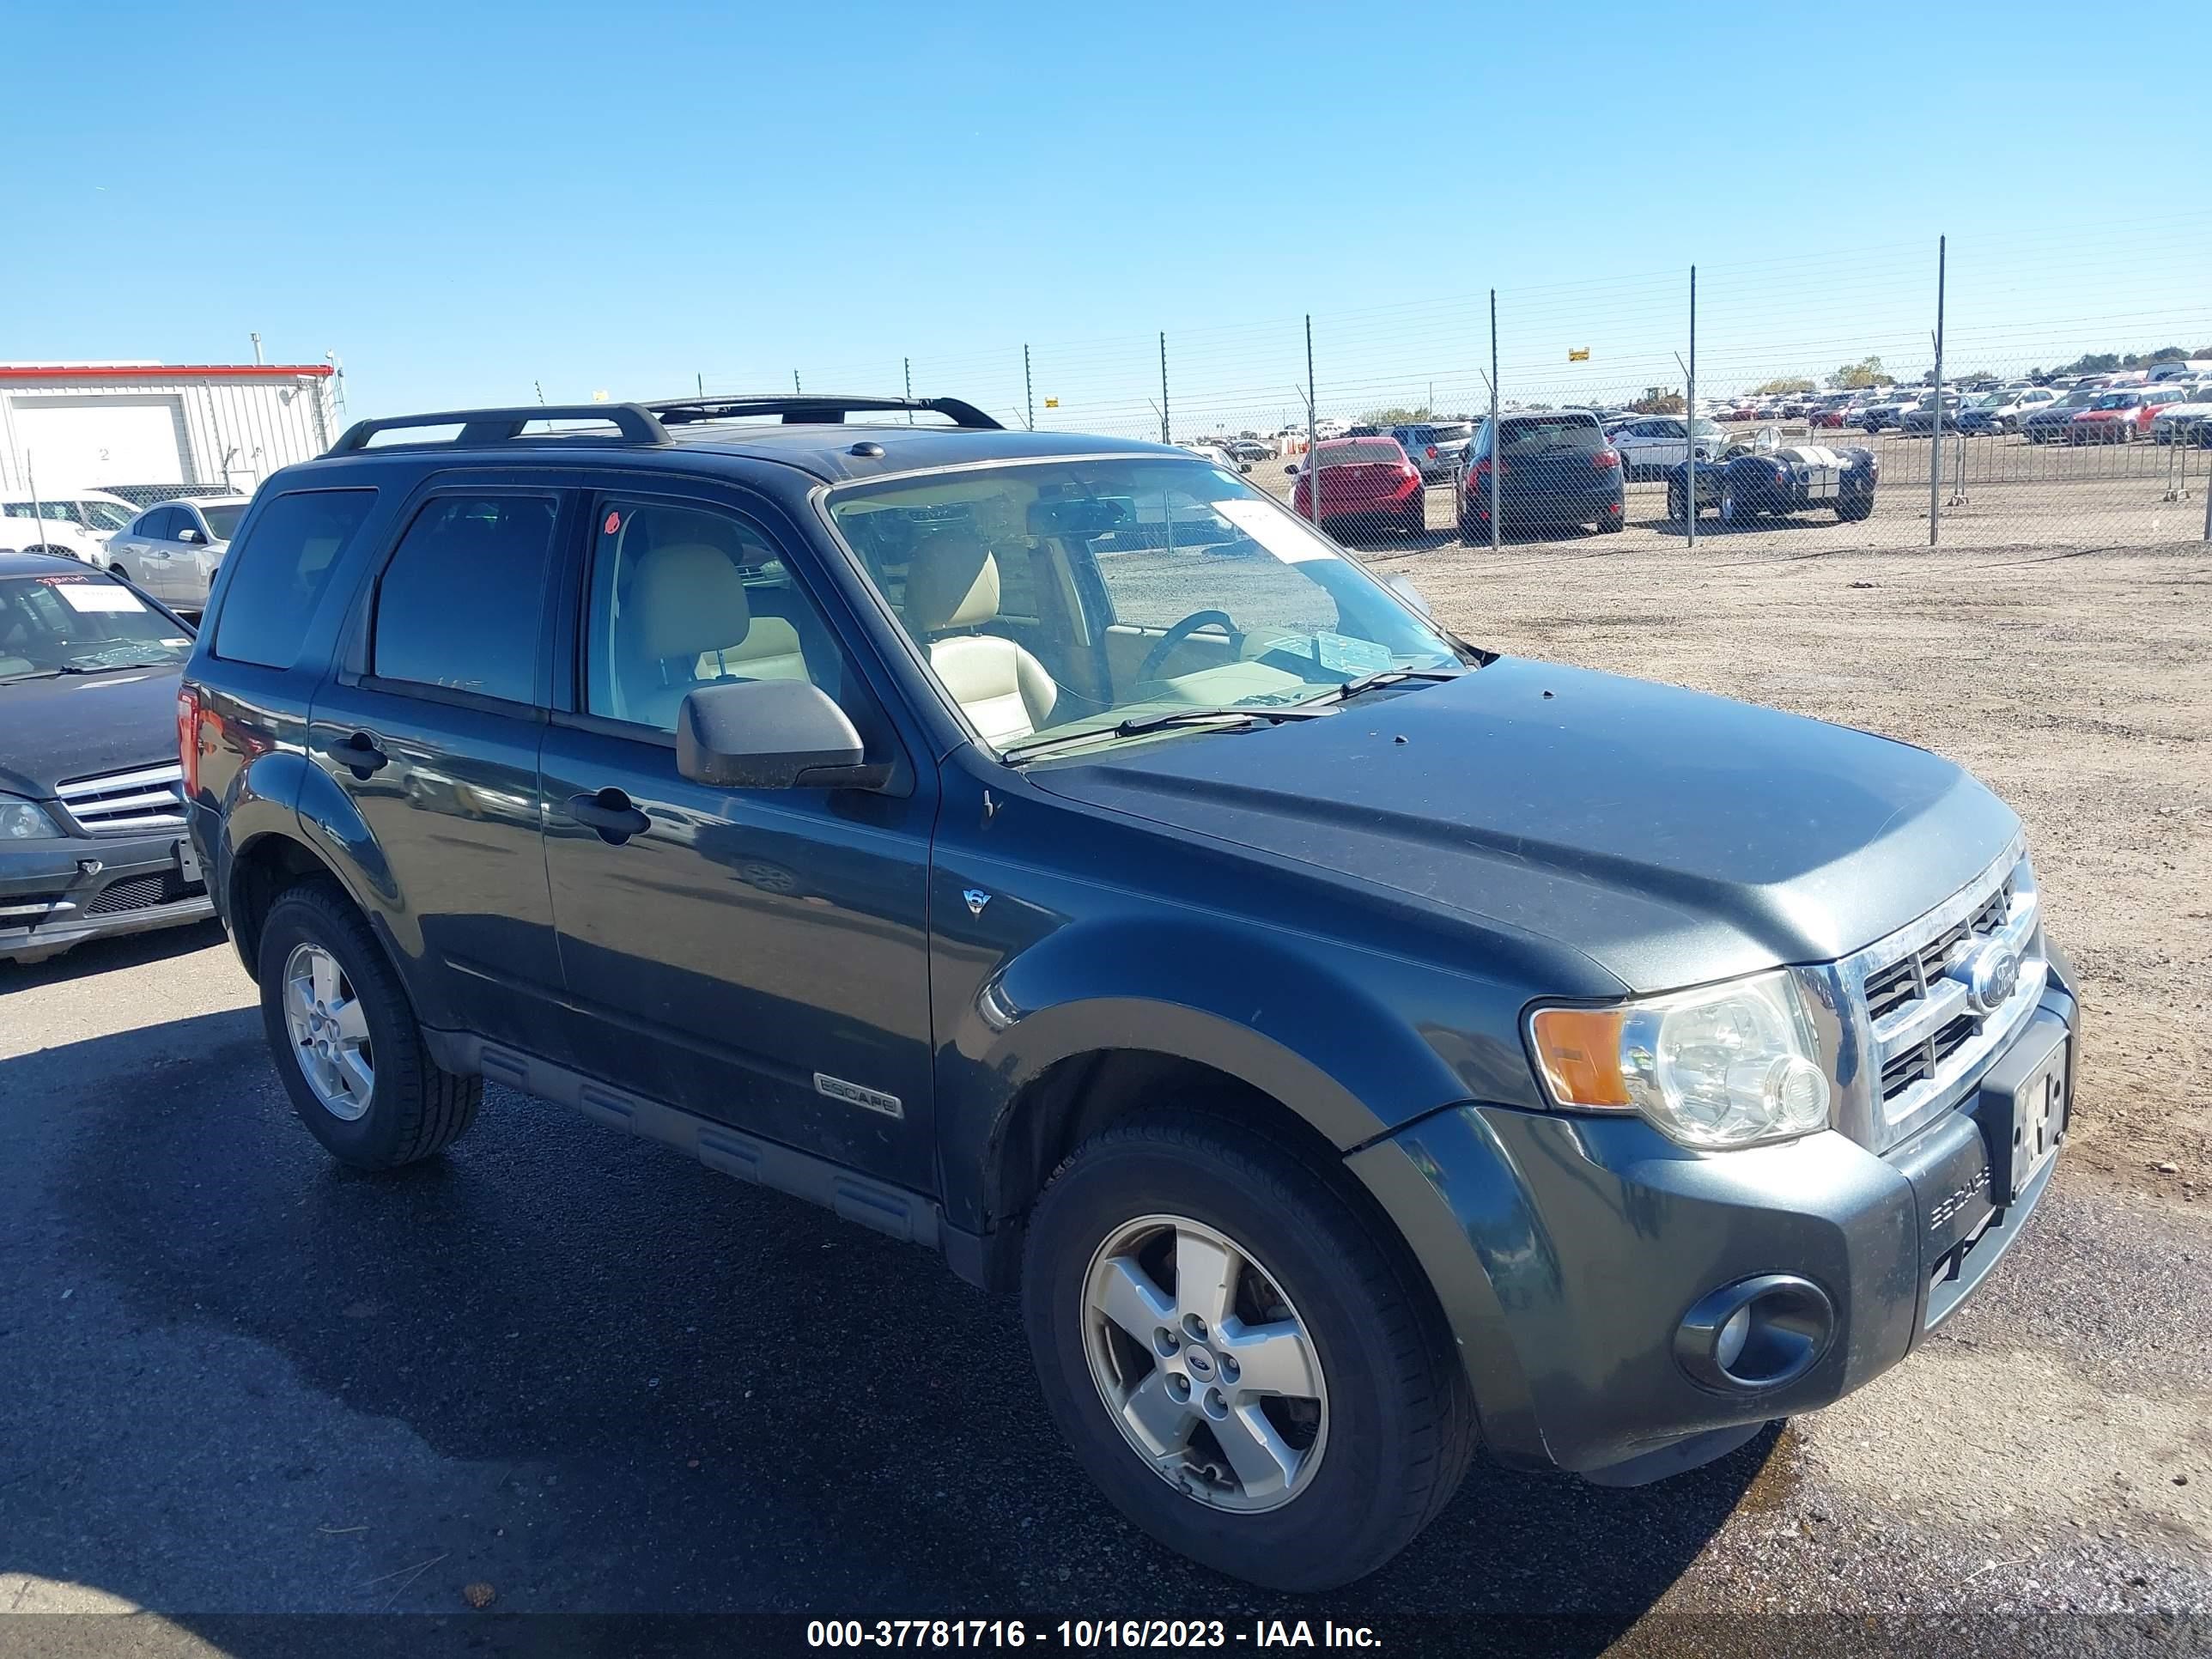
1670, 836
77, 726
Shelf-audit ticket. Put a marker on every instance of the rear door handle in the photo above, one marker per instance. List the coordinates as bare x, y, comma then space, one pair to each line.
360, 755
611, 814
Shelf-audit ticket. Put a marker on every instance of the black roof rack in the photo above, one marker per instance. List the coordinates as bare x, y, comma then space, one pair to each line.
634, 421
813, 409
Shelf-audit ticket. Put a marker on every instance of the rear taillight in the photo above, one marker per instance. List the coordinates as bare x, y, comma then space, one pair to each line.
188, 738
1432, 452
1409, 472
1605, 459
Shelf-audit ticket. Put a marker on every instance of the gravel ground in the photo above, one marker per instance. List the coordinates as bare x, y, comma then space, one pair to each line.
596, 1378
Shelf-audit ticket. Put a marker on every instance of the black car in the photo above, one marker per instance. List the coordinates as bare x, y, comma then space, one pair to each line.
1750, 482
1349, 1042
92, 815
1552, 470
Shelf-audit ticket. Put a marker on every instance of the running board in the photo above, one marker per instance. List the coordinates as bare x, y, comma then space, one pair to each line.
891, 1210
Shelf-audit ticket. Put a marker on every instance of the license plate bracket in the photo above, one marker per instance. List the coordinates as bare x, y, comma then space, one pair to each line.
2023, 1108
188, 861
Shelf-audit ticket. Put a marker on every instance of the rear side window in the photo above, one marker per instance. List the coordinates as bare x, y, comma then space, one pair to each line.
157, 524
281, 571
460, 604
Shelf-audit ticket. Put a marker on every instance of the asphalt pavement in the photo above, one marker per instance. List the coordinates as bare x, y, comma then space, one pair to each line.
581, 1374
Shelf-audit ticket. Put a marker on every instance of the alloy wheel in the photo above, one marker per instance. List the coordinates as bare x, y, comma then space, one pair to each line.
330, 1032
1204, 1365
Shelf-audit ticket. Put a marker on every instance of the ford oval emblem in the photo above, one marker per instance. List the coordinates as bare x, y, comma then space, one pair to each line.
1992, 974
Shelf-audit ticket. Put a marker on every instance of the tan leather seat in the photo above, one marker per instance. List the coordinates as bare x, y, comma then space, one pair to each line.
687, 605
952, 590
769, 651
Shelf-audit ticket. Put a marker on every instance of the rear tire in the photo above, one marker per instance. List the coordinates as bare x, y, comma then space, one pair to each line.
412, 1107
1376, 1424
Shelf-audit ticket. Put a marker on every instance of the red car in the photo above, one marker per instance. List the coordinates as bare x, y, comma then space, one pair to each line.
2119, 417
1366, 483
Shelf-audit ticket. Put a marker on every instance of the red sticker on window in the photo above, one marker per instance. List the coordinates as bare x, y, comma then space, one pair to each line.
614, 523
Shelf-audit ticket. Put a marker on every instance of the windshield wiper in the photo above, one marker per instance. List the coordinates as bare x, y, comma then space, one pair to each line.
1384, 676
1137, 726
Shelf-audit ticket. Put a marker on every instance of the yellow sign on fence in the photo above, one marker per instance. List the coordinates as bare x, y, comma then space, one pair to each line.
1052, 402
1577, 353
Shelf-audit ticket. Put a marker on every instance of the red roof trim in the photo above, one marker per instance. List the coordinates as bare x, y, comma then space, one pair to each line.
166, 371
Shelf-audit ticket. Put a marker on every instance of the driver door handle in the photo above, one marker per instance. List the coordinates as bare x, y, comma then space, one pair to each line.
611, 814
360, 755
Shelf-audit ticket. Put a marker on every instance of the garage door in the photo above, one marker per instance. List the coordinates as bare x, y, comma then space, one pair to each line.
88, 442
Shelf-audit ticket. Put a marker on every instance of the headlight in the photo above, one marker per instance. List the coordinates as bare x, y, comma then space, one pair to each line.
1731, 1065
23, 820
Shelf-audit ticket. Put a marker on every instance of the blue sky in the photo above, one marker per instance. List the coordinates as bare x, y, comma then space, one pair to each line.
466, 200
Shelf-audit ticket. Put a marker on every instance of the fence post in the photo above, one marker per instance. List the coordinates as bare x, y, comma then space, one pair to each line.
1028, 391
1163, 386
794, 384
1496, 434
1690, 421
1313, 429
1935, 428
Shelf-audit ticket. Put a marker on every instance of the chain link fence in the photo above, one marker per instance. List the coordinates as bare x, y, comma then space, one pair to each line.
2035, 395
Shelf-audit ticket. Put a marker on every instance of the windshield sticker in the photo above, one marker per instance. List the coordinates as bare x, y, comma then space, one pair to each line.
176, 642
1264, 524
97, 596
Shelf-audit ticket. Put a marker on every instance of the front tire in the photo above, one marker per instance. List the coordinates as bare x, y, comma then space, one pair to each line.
1240, 1360
345, 1040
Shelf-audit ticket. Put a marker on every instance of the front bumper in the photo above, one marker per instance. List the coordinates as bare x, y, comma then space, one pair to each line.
58, 893
1569, 1252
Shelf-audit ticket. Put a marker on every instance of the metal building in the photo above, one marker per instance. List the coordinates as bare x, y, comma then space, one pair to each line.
105, 426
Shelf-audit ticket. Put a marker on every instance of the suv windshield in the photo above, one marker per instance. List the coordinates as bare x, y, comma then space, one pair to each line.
81, 624
1058, 601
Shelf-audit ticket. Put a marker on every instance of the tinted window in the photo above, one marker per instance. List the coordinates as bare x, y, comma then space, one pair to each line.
280, 571
1541, 436
459, 604
159, 525
1370, 452
682, 598
222, 521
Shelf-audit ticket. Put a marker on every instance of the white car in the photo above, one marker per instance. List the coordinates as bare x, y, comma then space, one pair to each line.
1214, 452
172, 550
77, 522
2184, 422
1653, 444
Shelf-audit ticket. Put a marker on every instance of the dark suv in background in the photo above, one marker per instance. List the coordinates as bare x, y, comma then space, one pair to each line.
1541, 471
1350, 1044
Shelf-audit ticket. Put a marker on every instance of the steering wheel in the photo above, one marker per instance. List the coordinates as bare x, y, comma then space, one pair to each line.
1182, 630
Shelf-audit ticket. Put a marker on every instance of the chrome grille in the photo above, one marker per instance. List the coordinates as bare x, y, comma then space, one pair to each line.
142, 801
1924, 1043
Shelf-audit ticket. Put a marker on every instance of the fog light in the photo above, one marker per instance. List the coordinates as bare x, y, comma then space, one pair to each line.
1755, 1334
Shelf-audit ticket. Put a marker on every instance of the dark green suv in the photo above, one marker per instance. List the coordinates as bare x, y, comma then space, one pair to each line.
1351, 1044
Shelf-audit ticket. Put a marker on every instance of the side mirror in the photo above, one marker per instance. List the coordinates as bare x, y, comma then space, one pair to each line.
190, 536
771, 734
1292, 470
1404, 588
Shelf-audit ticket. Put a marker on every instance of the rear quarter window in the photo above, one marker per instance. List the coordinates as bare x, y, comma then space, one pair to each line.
280, 570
